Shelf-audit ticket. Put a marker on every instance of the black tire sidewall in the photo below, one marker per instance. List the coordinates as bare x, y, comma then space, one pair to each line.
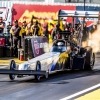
36, 76
89, 54
10, 65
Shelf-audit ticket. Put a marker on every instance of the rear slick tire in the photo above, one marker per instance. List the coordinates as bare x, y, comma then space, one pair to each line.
89, 60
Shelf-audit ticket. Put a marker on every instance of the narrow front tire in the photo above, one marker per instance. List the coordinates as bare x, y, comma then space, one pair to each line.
12, 66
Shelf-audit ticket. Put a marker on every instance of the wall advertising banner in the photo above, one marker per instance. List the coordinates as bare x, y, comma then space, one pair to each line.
25, 12
4, 13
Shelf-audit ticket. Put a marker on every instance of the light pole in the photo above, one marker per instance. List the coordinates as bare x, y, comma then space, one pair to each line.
84, 17
84, 5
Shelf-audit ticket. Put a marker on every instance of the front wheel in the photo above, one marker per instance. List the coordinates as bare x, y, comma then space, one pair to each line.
38, 68
12, 66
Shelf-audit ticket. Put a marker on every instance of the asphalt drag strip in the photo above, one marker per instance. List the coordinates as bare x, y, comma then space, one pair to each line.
58, 86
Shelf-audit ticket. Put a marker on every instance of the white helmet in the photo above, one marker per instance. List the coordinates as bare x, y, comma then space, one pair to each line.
60, 44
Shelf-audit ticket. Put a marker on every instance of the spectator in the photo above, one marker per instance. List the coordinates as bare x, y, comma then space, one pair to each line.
8, 28
8, 34
55, 32
40, 29
16, 32
29, 29
35, 29
45, 31
2, 26
24, 25
85, 33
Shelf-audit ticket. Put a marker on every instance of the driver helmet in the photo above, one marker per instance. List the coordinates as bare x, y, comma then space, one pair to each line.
61, 47
60, 44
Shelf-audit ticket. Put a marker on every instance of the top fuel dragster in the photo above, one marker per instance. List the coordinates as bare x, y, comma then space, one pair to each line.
66, 53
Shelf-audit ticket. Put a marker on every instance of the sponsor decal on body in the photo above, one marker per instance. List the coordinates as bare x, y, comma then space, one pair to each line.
36, 46
44, 45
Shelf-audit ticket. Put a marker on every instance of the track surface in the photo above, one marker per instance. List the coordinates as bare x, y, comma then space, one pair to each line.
56, 87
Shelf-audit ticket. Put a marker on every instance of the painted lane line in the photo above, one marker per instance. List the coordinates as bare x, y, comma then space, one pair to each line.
81, 92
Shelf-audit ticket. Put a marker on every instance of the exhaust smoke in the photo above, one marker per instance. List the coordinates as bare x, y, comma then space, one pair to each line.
94, 40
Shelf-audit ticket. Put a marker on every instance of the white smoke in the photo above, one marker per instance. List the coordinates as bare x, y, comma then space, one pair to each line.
94, 40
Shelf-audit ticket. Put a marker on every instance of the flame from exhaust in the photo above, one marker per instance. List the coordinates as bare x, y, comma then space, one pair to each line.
94, 40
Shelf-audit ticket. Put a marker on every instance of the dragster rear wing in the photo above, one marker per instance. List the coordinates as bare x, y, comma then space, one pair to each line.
84, 14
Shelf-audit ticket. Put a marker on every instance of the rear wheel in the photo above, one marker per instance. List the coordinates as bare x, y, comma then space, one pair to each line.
90, 59
12, 66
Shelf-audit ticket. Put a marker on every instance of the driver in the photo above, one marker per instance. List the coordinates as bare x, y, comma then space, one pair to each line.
55, 32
